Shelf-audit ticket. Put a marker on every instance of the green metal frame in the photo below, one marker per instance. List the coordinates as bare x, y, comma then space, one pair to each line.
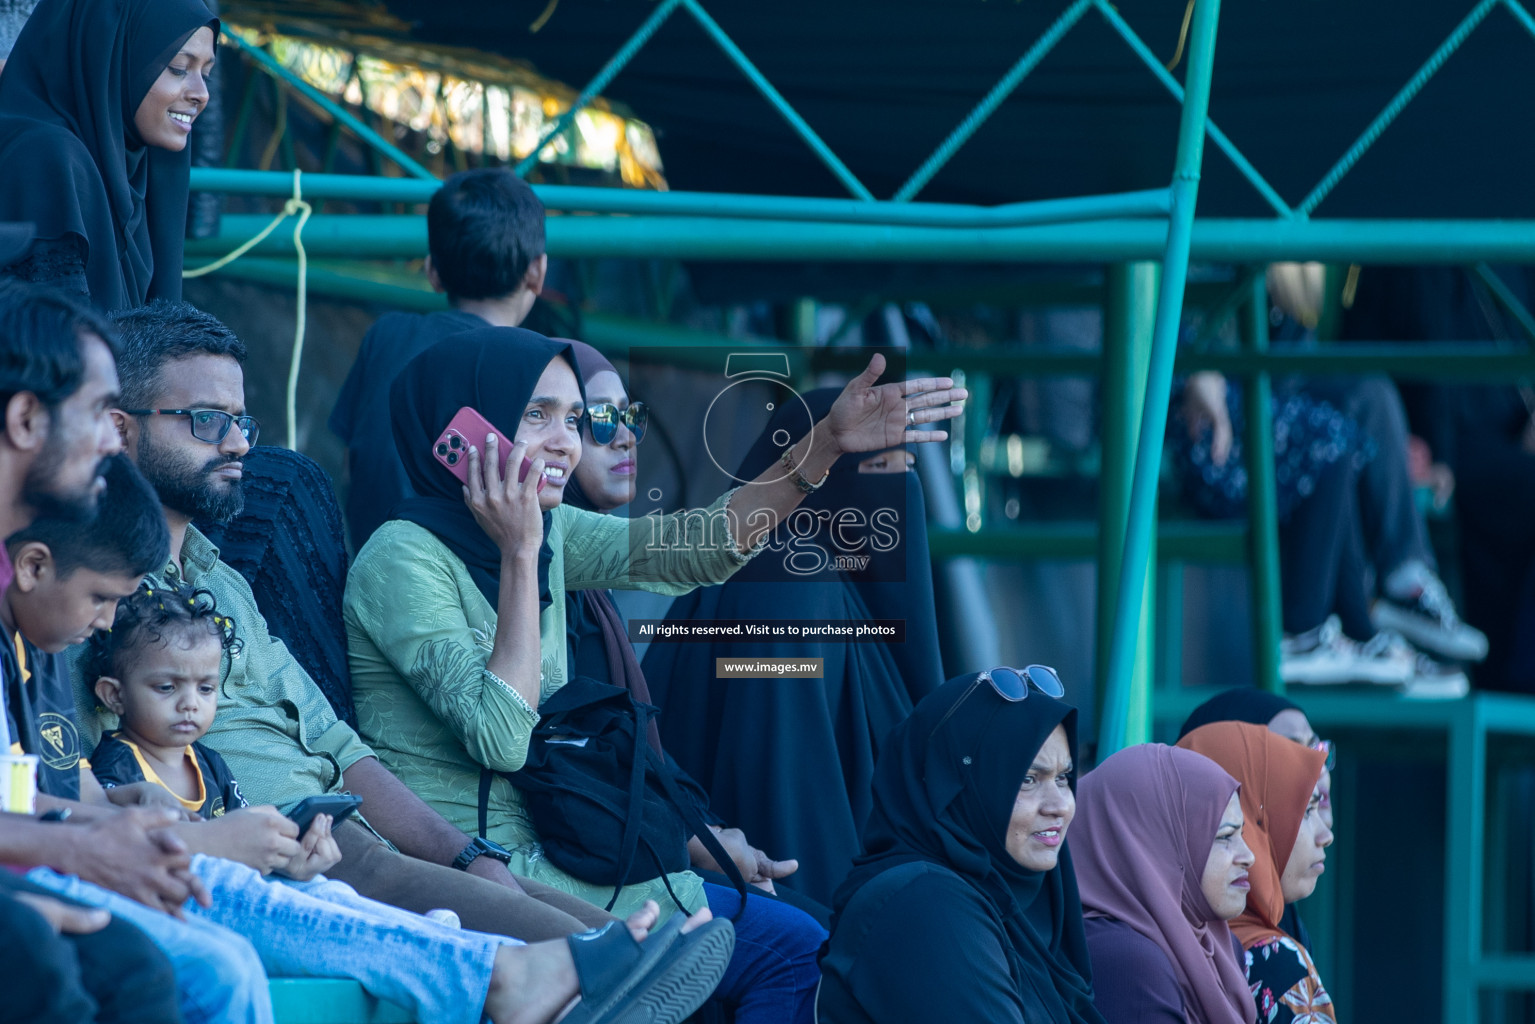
1125, 229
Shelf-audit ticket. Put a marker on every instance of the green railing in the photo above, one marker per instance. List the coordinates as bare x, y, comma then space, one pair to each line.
1148, 239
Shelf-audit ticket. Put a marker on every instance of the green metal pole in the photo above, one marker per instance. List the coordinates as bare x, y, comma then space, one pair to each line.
1465, 821
609, 71
1128, 318
1141, 524
992, 100
1262, 506
772, 95
374, 140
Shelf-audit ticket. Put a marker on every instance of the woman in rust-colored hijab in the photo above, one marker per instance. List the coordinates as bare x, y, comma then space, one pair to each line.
1279, 796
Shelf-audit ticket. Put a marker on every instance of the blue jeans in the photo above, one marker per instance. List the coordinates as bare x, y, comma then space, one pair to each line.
219, 978
319, 929
773, 974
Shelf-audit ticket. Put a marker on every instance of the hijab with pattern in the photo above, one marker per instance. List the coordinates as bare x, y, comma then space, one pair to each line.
71, 159
1277, 777
1146, 820
944, 793
492, 370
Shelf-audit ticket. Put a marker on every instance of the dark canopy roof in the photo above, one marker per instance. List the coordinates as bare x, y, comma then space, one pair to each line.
883, 82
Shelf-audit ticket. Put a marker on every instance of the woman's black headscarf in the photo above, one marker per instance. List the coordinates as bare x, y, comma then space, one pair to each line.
71, 160
1242, 704
492, 370
944, 793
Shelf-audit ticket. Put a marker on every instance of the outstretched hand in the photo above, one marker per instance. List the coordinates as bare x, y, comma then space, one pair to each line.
866, 418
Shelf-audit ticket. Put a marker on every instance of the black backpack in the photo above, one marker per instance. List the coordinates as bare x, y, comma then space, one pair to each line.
608, 808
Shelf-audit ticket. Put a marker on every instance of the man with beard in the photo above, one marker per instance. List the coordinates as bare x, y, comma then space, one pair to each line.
184, 423
67, 963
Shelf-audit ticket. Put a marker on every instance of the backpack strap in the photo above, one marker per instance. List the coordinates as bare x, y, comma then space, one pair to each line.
632, 820
486, 775
694, 819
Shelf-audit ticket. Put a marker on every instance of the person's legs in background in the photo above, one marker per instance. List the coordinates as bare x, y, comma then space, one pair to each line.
1329, 637
773, 975
1413, 600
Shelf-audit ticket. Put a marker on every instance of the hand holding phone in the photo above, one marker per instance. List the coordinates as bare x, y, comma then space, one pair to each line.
466, 428
338, 805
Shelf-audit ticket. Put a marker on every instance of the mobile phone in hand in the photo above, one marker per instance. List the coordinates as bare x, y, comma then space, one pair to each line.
468, 427
338, 805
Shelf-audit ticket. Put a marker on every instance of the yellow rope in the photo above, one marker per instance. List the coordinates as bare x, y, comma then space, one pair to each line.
543, 19
294, 207
1183, 36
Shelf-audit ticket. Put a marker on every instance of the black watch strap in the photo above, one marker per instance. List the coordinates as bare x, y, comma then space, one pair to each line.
481, 847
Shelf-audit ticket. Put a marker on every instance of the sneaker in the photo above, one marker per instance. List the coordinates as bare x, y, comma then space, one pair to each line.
1325, 657
1428, 620
1435, 680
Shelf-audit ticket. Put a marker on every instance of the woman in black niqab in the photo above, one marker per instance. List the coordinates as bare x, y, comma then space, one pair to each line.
71, 160
937, 921
791, 760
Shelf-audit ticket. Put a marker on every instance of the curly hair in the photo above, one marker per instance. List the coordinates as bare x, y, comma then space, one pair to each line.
152, 615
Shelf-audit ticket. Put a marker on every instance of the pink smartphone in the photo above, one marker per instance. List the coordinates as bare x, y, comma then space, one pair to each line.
467, 426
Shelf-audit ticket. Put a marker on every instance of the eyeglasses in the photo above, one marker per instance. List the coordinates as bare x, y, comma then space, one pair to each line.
1012, 685
210, 425
602, 421
1326, 747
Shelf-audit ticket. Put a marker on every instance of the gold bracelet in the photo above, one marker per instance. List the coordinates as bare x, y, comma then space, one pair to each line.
799, 478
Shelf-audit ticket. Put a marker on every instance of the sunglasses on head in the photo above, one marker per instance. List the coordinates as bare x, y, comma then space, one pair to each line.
1012, 685
603, 418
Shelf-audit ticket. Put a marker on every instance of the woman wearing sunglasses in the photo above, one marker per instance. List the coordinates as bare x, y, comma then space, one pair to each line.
963, 905
791, 760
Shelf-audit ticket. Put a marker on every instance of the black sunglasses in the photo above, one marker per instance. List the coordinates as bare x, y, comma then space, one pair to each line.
603, 418
210, 425
1012, 685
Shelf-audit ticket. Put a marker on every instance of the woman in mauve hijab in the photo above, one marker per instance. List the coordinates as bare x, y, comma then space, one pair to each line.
1162, 867
97, 103
963, 905
1281, 792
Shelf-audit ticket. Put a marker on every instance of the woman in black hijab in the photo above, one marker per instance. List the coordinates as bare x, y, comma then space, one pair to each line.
791, 761
964, 905
96, 105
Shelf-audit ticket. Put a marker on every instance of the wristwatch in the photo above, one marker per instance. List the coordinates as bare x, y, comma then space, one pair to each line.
479, 847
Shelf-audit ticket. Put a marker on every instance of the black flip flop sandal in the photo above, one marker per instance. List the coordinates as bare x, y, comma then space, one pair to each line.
660, 981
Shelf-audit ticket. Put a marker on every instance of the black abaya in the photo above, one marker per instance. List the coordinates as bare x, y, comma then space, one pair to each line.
937, 921
71, 161
791, 761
